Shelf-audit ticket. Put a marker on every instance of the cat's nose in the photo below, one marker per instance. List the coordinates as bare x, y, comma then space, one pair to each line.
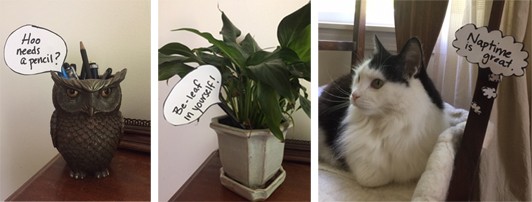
354, 96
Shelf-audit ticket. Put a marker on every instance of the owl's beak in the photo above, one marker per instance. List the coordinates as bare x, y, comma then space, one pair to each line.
91, 111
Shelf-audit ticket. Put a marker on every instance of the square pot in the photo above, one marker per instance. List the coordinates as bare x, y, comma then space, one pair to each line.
250, 157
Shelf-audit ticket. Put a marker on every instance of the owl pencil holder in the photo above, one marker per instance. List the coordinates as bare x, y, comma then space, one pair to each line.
86, 124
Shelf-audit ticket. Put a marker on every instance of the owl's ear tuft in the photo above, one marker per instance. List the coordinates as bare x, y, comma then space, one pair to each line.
118, 77
55, 77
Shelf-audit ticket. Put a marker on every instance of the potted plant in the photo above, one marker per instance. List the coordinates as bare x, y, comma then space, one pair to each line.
260, 91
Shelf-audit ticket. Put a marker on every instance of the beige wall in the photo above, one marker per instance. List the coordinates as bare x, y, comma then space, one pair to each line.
115, 33
182, 149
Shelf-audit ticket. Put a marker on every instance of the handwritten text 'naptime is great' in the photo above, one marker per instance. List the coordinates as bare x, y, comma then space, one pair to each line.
490, 49
494, 53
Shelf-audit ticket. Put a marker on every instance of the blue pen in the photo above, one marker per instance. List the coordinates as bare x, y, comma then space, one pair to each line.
71, 72
64, 74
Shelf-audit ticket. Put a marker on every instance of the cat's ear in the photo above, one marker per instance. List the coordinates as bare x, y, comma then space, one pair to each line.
378, 46
412, 55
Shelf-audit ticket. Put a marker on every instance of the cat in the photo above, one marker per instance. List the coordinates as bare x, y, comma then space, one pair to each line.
381, 122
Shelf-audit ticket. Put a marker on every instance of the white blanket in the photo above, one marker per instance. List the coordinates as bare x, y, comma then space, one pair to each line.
338, 185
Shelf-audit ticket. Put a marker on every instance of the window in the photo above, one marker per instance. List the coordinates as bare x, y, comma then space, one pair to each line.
379, 13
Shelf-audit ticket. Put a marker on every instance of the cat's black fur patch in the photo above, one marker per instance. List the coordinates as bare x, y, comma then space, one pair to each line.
332, 109
390, 65
433, 93
394, 69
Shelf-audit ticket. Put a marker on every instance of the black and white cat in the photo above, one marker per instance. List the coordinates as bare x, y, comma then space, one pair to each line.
382, 122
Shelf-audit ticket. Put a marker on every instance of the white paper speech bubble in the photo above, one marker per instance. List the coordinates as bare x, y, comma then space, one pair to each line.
491, 50
31, 50
192, 95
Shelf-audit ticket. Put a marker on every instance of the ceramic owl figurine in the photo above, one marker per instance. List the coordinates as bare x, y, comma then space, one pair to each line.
86, 125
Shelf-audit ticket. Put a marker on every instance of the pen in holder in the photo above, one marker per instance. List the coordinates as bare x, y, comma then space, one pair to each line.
87, 124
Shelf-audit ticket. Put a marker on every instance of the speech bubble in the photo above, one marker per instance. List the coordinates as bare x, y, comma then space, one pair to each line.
193, 95
491, 50
31, 50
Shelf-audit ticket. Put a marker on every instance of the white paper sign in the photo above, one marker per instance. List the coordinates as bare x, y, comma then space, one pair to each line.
491, 50
31, 50
193, 95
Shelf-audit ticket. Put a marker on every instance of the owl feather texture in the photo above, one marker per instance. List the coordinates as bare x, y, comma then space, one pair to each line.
87, 124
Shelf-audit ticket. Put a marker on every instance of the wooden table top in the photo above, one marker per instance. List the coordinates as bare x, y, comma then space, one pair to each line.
204, 185
129, 180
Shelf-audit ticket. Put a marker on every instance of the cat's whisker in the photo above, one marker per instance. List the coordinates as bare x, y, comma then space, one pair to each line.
337, 96
335, 108
337, 85
343, 91
333, 79
335, 101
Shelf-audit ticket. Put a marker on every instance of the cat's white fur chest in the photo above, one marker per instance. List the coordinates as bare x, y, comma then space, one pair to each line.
395, 145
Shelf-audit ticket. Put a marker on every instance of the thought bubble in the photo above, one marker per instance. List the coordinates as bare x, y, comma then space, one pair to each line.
491, 50
31, 50
193, 95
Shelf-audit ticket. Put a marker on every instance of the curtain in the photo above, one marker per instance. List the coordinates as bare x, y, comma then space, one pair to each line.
453, 76
505, 167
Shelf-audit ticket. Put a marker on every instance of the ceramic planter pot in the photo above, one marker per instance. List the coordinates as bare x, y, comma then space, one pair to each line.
250, 157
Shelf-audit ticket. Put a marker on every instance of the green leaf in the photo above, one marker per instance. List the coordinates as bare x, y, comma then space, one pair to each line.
269, 103
292, 26
275, 74
288, 55
229, 51
211, 59
296, 66
261, 57
293, 33
302, 45
237, 47
300, 70
249, 45
305, 104
169, 69
176, 48
170, 58
229, 31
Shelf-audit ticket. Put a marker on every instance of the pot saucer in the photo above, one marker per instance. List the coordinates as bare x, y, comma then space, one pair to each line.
249, 193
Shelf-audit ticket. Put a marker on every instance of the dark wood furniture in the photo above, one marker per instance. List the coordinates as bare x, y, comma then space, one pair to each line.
204, 184
129, 179
465, 181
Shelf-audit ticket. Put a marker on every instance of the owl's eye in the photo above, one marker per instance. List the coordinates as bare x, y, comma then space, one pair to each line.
72, 93
377, 83
106, 92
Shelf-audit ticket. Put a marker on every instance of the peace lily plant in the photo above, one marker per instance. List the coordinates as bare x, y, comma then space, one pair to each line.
260, 88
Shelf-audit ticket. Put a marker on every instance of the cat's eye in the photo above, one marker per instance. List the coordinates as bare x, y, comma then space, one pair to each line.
106, 92
72, 93
377, 83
